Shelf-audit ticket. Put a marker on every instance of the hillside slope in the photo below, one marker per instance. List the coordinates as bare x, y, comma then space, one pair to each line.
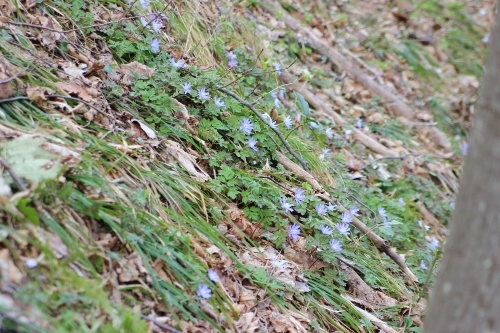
230, 166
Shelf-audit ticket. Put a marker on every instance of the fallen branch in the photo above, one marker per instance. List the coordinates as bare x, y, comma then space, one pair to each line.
257, 113
380, 243
330, 113
393, 101
162, 326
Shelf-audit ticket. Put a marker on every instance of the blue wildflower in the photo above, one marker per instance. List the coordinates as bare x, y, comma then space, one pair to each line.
326, 230
203, 94
252, 143
294, 232
155, 45
321, 209
335, 245
343, 228
287, 207
204, 291
246, 126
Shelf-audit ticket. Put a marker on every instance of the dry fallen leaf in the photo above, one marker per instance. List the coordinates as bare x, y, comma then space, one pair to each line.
75, 90
141, 130
187, 160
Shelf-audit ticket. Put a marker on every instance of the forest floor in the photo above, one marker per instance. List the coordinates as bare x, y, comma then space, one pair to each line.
230, 166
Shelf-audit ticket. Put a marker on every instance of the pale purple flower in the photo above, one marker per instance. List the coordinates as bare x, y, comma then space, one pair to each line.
177, 63
335, 245
401, 201
274, 94
287, 207
313, 125
359, 123
294, 232
486, 39
282, 93
299, 195
423, 265
465, 148
231, 55
246, 126
144, 21
219, 102
213, 276
248, 47
346, 217
288, 122
252, 143
144, 3
277, 103
383, 214
325, 151
187, 87
321, 209
155, 45
343, 228
326, 230
433, 244
422, 225
31, 263
272, 124
329, 133
277, 68
331, 207
232, 63
203, 94
354, 211
204, 291
157, 25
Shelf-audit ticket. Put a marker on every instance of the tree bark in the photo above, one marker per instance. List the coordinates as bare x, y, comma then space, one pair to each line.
466, 297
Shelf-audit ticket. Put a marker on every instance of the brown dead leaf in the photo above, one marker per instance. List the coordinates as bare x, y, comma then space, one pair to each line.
376, 118
107, 241
351, 162
243, 225
75, 90
38, 95
135, 69
47, 37
5, 88
248, 323
9, 273
74, 72
186, 160
131, 269
304, 259
140, 130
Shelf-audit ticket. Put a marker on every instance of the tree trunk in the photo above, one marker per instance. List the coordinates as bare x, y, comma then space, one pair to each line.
466, 297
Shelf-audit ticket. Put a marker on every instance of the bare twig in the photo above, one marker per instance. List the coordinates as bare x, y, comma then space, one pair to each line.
15, 76
257, 113
163, 326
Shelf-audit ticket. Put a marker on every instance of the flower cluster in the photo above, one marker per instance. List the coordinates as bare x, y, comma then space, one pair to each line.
233, 61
